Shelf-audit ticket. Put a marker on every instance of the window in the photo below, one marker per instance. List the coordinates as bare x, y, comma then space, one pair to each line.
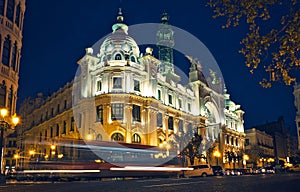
170, 123
46, 135
236, 142
18, 10
117, 137
118, 56
57, 108
136, 113
247, 142
65, 104
232, 142
2, 95
180, 125
227, 139
51, 132
99, 111
136, 138
159, 120
136, 85
117, 83
10, 9
14, 57
179, 103
52, 112
72, 124
99, 85
189, 107
57, 130
10, 98
170, 99
99, 137
159, 94
2, 3
6, 51
64, 127
117, 111
132, 58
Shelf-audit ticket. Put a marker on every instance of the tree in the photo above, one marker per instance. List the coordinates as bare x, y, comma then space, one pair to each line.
271, 42
192, 148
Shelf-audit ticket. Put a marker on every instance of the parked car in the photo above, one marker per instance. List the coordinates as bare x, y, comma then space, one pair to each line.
218, 170
295, 168
265, 170
233, 172
199, 170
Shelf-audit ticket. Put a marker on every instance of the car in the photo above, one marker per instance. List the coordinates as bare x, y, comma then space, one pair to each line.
199, 171
233, 172
295, 168
265, 170
218, 170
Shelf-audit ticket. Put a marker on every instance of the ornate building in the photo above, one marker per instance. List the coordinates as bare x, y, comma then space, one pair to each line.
11, 27
122, 96
297, 105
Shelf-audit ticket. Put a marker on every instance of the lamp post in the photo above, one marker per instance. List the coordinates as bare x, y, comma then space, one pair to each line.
6, 123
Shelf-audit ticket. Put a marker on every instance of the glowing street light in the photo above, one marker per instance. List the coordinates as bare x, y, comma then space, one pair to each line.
245, 159
217, 154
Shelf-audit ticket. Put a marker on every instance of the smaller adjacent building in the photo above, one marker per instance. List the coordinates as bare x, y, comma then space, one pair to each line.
284, 142
259, 147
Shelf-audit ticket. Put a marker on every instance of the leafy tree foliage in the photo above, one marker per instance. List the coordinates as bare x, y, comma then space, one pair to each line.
270, 42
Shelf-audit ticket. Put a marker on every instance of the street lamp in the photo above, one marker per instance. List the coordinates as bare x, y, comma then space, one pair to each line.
217, 154
6, 123
245, 159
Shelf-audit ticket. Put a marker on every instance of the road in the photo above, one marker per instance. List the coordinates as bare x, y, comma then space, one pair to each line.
245, 183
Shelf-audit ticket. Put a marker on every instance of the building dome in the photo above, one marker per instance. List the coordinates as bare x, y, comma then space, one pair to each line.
119, 45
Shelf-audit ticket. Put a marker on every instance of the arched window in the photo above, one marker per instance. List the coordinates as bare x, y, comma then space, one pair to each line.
132, 58
10, 98
17, 19
118, 56
2, 4
136, 138
99, 137
14, 57
103, 58
6, 51
117, 137
2, 94
10, 10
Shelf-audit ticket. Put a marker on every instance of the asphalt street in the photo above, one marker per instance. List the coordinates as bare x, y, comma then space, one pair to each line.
245, 183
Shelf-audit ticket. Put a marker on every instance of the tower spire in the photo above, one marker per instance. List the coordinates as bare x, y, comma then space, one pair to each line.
120, 23
165, 44
120, 17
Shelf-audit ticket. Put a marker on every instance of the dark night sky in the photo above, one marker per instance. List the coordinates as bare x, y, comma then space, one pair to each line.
57, 32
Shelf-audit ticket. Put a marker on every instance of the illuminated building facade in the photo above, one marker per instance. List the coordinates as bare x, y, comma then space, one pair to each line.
297, 105
259, 147
11, 27
122, 95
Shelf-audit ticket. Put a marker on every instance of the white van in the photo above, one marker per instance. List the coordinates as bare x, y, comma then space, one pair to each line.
199, 170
